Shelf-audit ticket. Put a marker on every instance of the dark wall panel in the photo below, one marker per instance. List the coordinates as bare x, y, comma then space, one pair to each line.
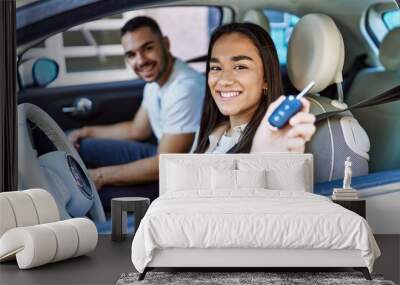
8, 98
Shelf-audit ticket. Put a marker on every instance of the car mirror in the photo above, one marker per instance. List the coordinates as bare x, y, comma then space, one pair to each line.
38, 72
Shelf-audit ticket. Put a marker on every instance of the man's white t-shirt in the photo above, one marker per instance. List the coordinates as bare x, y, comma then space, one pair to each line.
175, 107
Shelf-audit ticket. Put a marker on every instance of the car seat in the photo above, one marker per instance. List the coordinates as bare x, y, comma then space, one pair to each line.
373, 81
316, 52
257, 17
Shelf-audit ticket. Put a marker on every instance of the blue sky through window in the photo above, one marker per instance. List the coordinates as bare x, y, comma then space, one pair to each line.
281, 25
392, 19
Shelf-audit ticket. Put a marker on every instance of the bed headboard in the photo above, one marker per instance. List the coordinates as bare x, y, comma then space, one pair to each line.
289, 168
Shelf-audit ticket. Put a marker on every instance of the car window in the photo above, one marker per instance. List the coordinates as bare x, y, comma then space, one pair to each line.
92, 52
281, 26
392, 19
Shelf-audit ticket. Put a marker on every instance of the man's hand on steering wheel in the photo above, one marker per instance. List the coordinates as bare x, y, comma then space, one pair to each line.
76, 135
97, 178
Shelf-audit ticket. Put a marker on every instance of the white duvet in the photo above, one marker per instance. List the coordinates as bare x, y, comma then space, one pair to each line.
250, 219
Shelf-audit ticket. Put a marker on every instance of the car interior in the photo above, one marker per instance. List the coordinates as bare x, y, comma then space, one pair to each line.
71, 73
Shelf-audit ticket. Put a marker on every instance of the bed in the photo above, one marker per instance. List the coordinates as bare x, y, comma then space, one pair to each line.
247, 210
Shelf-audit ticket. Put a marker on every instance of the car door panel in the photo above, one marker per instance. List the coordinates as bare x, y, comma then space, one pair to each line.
112, 102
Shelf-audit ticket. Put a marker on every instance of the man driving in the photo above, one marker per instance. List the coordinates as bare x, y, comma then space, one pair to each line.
171, 109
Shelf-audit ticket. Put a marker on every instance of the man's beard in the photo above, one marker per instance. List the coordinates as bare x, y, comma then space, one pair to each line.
164, 64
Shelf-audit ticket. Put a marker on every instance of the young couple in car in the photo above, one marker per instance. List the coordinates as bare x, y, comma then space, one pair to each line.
243, 86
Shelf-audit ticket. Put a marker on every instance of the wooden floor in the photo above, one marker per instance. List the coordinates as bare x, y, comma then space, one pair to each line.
110, 259
102, 266
389, 262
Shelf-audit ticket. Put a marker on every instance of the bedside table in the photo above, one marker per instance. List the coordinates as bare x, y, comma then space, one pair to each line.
356, 206
119, 208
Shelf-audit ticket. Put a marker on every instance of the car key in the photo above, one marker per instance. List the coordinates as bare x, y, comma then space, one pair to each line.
288, 108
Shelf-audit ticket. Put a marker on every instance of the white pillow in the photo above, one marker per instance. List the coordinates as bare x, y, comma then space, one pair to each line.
223, 179
183, 178
281, 174
251, 178
295, 180
183, 175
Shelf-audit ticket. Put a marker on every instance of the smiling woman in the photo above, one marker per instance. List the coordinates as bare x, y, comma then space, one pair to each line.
244, 85
237, 99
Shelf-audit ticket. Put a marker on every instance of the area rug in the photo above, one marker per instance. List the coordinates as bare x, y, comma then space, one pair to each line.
243, 278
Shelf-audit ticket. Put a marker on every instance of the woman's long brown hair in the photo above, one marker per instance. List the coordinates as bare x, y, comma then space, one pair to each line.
212, 117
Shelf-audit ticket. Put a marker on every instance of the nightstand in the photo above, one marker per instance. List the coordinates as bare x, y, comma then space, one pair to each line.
357, 206
119, 208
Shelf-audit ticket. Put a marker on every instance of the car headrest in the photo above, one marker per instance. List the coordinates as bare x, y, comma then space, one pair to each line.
389, 54
316, 52
256, 16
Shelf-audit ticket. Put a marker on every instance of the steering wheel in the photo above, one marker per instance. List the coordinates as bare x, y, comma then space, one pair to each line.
61, 172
